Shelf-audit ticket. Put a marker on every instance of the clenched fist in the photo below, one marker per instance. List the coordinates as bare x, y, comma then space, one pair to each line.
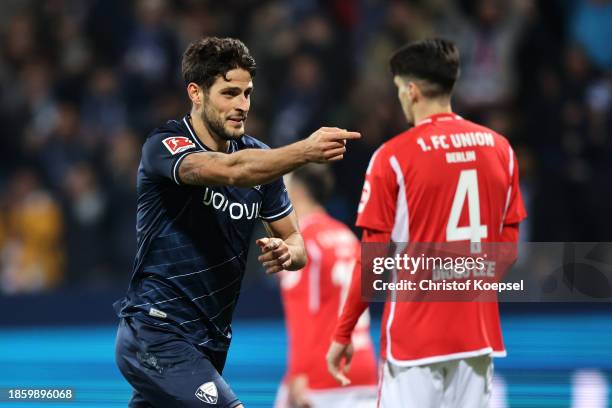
275, 254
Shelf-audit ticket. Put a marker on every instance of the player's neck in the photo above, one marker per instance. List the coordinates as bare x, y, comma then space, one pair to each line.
426, 109
206, 136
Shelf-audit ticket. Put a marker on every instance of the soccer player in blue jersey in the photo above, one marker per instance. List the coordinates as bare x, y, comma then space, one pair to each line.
202, 185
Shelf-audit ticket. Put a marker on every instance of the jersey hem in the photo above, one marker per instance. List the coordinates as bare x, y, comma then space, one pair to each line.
446, 357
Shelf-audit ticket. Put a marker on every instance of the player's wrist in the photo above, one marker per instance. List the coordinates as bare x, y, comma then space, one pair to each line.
297, 256
297, 252
305, 152
342, 338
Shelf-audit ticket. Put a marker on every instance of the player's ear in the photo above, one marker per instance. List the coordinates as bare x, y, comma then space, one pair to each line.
195, 93
414, 93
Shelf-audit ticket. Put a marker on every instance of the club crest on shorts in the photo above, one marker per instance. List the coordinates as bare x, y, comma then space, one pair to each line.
177, 144
207, 393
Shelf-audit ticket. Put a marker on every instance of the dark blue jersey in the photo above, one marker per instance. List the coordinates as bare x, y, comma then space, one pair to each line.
193, 240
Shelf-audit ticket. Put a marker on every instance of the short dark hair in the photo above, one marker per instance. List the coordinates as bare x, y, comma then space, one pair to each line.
317, 179
207, 58
433, 60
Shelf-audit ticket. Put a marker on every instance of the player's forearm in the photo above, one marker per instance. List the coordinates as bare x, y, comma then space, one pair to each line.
262, 166
353, 308
245, 168
354, 305
297, 251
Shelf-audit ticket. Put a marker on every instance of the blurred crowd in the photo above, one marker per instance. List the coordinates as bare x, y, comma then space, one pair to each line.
82, 82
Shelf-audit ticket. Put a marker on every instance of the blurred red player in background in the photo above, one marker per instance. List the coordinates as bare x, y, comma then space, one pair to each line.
312, 299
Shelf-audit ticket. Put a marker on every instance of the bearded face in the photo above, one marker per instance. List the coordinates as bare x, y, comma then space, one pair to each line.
226, 104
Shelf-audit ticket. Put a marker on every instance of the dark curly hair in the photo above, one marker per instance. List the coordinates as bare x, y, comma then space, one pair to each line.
207, 58
433, 60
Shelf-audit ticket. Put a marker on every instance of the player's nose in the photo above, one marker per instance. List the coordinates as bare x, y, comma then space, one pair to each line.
244, 104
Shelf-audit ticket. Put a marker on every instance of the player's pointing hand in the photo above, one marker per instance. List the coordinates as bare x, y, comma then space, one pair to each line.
275, 255
328, 144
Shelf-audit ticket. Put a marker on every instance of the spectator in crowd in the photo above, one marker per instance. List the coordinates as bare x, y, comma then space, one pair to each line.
31, 256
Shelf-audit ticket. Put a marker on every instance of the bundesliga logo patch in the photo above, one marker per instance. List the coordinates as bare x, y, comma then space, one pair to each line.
207, 393
177, 144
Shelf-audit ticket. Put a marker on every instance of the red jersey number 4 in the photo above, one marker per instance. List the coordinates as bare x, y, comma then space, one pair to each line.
178, 144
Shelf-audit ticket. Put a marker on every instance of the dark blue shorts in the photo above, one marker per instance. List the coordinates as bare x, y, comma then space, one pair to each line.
168, 371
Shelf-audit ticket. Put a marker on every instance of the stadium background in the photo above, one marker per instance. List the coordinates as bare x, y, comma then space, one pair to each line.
82, 82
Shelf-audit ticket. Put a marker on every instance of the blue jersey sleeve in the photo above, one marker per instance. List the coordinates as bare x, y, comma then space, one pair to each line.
276, 203
162, 154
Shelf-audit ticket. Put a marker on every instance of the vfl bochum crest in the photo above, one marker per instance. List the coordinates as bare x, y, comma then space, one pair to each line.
207, 393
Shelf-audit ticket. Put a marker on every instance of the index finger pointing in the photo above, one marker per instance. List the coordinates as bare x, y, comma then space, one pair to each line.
345, 135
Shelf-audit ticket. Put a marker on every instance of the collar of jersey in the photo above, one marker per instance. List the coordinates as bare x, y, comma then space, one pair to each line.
195, 138
438, 117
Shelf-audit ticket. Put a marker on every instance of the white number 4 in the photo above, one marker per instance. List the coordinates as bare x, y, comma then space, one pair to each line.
474, 232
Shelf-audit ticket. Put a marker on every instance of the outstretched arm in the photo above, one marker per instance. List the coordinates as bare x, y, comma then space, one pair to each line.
250, 167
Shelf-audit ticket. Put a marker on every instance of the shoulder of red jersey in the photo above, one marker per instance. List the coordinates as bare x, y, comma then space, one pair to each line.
398, 140
386, 150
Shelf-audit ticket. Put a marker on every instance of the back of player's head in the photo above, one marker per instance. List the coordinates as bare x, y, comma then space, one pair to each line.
317, 180
207, 58
435, 61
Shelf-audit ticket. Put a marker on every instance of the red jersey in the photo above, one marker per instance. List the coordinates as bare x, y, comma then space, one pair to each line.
312, 299
445, 180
